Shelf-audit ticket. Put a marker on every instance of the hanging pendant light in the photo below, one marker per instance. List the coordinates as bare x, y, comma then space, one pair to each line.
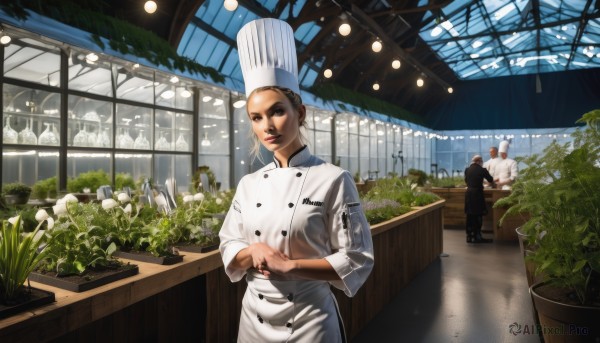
327, 73
150, 6
230, 5
376, 46
396, 64
345, 29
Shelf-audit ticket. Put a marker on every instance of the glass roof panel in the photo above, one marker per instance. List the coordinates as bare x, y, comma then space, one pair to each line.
511, 37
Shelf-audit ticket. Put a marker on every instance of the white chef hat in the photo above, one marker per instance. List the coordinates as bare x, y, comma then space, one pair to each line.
267, 53
503, 146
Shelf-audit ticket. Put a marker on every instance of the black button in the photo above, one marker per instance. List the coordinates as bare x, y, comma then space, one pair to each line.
298, 174
290, 205
260, 319
290, 297
258, 204
260, 296
284, 233
289, 325
257, 233
266, 176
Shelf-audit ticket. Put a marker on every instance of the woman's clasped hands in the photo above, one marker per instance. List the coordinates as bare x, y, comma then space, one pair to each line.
267, 260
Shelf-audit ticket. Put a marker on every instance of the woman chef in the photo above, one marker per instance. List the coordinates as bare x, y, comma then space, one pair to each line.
296, 226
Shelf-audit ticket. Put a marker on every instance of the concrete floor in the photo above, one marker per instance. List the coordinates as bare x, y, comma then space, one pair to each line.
478, 293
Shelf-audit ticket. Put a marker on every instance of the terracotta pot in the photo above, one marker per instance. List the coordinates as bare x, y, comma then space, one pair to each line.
564, 323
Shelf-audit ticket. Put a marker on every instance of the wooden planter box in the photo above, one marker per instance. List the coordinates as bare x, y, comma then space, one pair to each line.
194, 301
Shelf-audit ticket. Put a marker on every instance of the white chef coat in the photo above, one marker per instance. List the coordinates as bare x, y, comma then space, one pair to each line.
490, 165
506, 170
310, 210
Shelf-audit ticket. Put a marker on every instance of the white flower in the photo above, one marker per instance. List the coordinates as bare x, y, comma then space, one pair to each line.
12, 220
188, 198
127, 208
50, 223
59, 209
107, 204
41, 215
123, 197
70, 198
219, 201
61, 201
160, 200
199, 197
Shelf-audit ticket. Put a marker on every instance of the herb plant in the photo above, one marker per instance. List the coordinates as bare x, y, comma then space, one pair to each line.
19, 255
559, 192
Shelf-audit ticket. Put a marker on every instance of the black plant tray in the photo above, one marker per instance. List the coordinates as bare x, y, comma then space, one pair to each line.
144, 256
37, 297
88, 280
196, 248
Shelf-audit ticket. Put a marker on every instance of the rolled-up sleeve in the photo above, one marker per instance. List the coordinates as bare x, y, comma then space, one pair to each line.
350, 235
232, 240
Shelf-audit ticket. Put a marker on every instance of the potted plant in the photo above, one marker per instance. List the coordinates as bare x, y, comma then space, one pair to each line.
558, 190
20, 253
16, 193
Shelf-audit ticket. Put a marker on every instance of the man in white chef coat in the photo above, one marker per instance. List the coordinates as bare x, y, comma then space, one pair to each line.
506, 170
490, 164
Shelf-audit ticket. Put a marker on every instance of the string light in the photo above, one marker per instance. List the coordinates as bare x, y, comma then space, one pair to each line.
345, 29
230, 5
376, 86
327, 73
150, 7
450, 90
376, 46
420, 82
396, 64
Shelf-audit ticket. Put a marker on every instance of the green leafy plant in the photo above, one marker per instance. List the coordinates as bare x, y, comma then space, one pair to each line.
448, 182
417, 176
19, 255
392, 197
91, 179
559, 191
16, 188
80, 234
46, 188
124, 180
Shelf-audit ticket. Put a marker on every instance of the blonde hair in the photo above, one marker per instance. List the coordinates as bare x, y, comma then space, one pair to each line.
296, 102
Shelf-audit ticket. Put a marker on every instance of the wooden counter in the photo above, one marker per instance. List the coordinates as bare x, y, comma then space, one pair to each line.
454, 212
195, 301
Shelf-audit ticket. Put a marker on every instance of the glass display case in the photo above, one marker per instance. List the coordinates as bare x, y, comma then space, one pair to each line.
133, 83
90, 123
30, 116
171, 92
134, 127
172, 131
28, 166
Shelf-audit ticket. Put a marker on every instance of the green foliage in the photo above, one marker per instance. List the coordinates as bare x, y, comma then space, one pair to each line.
417, 176
559, 191
19, 255
91, 179
46, 188
380, 210
122, 36
448, 182
124, 180
82, 240
391, 197
16, 188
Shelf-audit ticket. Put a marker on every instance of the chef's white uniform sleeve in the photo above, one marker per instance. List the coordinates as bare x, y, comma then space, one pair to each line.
232, 240
350, 236
514, 171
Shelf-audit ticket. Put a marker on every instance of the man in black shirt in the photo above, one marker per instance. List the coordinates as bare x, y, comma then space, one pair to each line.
475, 207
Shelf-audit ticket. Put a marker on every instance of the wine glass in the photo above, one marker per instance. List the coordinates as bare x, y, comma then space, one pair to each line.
181, 144
47, 137
162, 143
141, 142
10, 136
103, 139
81, 138
126, 142
26, 136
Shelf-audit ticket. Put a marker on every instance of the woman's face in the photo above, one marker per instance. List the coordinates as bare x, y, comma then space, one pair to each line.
275, 122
